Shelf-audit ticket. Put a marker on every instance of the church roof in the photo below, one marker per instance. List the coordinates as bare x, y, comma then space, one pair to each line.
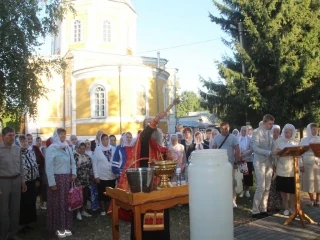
127, 2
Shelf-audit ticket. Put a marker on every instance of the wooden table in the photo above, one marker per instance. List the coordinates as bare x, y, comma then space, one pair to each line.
140, 203
295, 152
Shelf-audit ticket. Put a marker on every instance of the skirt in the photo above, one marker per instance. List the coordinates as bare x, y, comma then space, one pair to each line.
58, 215
274, 200
248, 179
310, 178
102, 188
28, 210
285, 184
154, 235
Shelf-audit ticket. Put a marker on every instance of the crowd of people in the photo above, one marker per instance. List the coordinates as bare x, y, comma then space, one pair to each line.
30, 170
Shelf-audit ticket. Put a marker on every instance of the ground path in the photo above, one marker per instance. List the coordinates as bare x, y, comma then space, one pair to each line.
99, 227
272, 228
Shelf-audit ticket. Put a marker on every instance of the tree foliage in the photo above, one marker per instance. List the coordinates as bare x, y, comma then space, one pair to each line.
190, 103
281, 56
23, 23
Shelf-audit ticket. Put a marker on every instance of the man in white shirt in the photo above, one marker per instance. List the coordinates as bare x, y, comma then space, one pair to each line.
263, 148
230, 143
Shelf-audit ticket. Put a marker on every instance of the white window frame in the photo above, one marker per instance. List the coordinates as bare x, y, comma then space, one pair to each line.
106, 31
77, 31
92, 89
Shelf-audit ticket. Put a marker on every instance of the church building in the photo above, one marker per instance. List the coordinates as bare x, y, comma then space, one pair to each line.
105, 84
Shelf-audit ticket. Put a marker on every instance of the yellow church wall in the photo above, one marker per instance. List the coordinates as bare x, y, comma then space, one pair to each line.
128, 97
153, 102
83, 99
108, 127
47, 130
68, 130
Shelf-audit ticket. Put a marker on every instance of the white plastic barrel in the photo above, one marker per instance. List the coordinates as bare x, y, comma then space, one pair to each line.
210, 195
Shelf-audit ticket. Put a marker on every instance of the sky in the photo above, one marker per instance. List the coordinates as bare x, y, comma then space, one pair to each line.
170, 23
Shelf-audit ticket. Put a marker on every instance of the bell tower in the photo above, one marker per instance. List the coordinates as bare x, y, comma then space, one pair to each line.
103, 26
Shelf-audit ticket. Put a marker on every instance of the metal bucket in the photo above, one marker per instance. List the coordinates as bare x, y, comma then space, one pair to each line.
140, 179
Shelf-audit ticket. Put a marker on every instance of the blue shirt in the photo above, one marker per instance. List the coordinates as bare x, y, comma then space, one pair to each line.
58, 161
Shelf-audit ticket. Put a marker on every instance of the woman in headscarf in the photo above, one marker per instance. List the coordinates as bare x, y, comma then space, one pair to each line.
245, 144
102, 169
198, 141
61, 173
180, 137
309, 168
122, 152
285, 169
235, 132
274, 200
88, 148
275, 132
84, 175
177, 150
214, 133
28, 211
187, 142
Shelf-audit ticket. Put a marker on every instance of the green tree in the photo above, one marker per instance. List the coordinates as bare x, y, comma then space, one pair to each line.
281, 56
23, 23
191, 102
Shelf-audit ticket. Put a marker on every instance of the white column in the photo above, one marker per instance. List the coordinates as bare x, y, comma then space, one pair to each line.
73, 106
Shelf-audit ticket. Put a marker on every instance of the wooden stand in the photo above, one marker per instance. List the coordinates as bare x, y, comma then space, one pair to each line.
140, 203
295, 152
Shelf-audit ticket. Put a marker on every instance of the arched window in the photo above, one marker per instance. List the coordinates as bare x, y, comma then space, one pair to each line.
141, 101
106, 31
99, 102
77, 31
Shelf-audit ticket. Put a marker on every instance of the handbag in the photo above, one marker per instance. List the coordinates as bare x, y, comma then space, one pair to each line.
95, 205
243, 167
75, 198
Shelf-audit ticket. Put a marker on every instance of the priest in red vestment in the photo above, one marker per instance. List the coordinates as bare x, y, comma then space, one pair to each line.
149, 146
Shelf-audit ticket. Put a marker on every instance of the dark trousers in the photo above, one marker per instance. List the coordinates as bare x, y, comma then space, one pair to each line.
28, 210
9, 207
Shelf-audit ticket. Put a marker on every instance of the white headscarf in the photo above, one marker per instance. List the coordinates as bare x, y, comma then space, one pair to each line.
309, 134
235, 130
170, 142
276, 127
212, 138
289, 126
199, 145
56, 140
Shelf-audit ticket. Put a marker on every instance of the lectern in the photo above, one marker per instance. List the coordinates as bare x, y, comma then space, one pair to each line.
295, 152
